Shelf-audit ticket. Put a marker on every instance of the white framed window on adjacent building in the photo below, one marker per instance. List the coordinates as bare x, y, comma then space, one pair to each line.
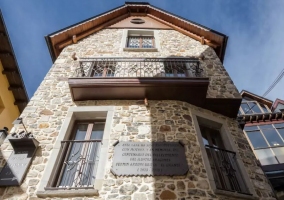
225, 169
77, 162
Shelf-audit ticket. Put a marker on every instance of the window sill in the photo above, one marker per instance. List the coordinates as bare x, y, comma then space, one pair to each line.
234, 194
68, 193
141, 49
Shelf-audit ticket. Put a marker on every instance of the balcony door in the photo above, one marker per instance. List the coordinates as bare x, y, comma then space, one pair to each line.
223, 162
80, 156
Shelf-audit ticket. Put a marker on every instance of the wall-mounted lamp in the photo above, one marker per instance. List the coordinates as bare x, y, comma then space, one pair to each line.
3, 134
22, 133
24, 147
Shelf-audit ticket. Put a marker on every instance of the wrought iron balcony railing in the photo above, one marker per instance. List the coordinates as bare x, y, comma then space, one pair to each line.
77, 165
138, 67
225, 170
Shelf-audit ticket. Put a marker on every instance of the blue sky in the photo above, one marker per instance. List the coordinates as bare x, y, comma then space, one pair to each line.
254, 55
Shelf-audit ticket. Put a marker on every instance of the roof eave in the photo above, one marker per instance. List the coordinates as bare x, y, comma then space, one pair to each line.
220, 51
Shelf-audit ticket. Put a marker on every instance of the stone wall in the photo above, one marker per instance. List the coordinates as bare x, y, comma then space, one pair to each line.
133, 121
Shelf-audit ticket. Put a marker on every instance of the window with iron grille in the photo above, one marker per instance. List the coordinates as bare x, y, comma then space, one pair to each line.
223, 162
140, 42
79, 157
223, 165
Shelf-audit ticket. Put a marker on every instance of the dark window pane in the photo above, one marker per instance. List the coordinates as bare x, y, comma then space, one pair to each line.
71, 164
266, 157
281, 131
254, 107
279, 153
264, 108
97, 132
110, 70
239, 112
272, 137
268, 126
280, 125
250, 128
246, 108
257, 139
279, 106
81, 132
211, 137
246, 99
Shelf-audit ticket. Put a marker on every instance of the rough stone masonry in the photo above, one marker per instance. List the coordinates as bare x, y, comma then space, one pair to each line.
133, 121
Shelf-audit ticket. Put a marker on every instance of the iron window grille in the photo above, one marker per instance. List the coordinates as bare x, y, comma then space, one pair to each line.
223, 163
140, 42
78, 159
225, 170
139, 67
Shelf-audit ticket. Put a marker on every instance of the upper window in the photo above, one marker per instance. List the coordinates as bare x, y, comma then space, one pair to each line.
79, 157
140, 40
252, 107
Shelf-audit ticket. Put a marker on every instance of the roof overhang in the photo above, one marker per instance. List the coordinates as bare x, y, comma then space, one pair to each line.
191, 90
69, 35
257, 98
11, 68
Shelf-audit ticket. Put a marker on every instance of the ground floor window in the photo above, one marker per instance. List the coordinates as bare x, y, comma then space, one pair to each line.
224, 166
79, 156
223, 162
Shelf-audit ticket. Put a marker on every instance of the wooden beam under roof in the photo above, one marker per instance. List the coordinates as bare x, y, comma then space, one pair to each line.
62, 38
10, 71
5, 53
11, 68
185, 32
20, 102
84, 34
15, 87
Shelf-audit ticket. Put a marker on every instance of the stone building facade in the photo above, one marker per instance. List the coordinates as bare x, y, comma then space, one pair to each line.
54, 109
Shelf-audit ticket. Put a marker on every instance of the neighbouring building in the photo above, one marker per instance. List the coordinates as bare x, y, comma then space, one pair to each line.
137, 105
263, 122
13, 96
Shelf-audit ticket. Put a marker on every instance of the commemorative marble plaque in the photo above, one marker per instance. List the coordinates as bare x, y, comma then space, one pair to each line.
149, 158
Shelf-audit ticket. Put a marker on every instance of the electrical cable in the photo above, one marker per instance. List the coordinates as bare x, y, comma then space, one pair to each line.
278, 78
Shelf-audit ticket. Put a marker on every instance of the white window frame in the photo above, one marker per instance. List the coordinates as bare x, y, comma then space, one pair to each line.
267, 142
139, 32
262, 111
78, 113
229, 145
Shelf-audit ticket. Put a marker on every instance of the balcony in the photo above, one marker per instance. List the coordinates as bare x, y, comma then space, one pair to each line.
138, 78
